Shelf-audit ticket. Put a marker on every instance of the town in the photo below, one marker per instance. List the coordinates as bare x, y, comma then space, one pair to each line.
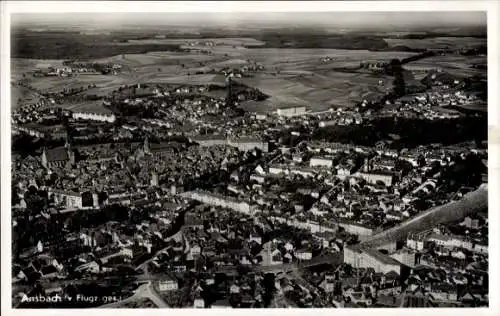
176, 195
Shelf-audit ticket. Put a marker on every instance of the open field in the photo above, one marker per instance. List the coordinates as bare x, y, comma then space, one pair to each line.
57, 84
455, 64
438, 42
197, 80
20, 95
291, 76
87, 106
319, 91
20, 66
479, 106
237, 41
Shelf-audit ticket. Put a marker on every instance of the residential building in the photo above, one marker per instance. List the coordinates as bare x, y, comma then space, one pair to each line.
291, 111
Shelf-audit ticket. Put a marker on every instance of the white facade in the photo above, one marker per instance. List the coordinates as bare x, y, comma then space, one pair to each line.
362, 259
303, 255
321, 162
213, 199
168, 285
292, 111
110, 118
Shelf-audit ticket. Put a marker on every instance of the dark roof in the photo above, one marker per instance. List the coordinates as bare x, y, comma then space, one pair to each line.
29, 270
48, 270
154, 147
57, 154
37, 264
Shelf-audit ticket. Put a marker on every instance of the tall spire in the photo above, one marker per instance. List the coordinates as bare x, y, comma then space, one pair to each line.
44, 157
146, 145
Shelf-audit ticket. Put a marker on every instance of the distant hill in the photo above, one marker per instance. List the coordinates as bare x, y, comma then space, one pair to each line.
307, 40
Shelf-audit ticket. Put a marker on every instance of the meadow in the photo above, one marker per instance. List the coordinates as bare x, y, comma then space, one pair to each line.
438, 42
237, 41
291, 76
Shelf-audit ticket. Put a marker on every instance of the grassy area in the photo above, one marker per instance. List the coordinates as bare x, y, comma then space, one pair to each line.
239, 41
21, 95
438, 42
291, 76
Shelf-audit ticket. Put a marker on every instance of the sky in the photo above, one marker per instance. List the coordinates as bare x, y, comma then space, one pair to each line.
313, 19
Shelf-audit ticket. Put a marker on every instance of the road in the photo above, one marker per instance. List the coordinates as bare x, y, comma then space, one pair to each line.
143, 291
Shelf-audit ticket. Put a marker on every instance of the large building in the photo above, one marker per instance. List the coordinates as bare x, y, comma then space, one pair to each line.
248, 143
220, 200
244, 143
371, 258
72, 200
407, 257
374, 177
110, 118
291, 111
57, 157
207, 141
321, 162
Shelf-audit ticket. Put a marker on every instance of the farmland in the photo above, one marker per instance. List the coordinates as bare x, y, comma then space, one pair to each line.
437, 42
240, 41
290, 76
21, 95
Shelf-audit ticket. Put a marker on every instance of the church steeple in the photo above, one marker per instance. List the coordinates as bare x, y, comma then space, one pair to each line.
68, 142
146, 146
44, 157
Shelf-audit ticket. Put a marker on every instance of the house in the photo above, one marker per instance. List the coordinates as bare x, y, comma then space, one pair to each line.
255, 238
480, 248
360, 298
458, 254
195, 250
29, 274
371, 258
374, 177
393, 215
328, 284
91, 267
415, 241
57, 157
110, 118
199, 303
471, 223
291, 111
168, 283
406, 256
450, 241
72, 199
234, 289
326, 162
443, 292
303, 254
49, 272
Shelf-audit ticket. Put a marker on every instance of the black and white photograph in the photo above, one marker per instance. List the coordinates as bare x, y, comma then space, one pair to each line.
328, 159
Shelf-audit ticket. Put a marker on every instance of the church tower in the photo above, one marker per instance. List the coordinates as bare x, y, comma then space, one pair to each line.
146, 148
154, 178
44, 157
69, 150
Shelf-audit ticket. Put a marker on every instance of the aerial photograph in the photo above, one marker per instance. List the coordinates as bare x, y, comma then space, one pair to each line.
244, 160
